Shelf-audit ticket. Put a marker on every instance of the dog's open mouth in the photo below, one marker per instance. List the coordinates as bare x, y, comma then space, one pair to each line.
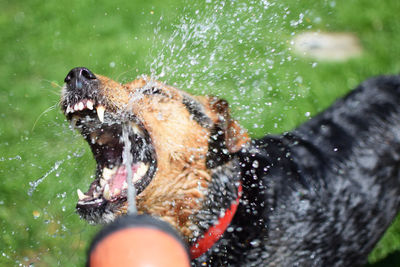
103, 130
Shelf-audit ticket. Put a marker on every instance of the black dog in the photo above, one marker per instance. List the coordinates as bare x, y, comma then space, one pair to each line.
321, 195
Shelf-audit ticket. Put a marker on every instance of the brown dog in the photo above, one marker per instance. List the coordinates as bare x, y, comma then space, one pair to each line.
321, 195
171, 132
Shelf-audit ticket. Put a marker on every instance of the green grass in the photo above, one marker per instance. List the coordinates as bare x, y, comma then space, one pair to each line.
42, 40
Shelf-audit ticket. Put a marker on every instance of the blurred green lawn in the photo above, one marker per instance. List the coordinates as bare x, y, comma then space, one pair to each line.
270, 90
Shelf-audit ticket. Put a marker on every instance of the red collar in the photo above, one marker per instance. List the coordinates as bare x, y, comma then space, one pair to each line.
214, 233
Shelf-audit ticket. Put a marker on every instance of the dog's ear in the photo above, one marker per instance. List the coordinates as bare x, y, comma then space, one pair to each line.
227, 136
235, 136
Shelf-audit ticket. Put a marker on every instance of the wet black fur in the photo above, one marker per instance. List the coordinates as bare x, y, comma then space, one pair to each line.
323, 194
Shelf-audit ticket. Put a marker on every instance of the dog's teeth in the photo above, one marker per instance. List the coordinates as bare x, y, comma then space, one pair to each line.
117, 191
124, 185
69, 110
81, 195
103, 182
81, 106
96, 194
106, 192
76, 108
141, 171
100, 112
107, 173
89, 104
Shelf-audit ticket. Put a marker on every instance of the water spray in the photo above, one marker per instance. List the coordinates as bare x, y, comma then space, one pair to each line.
128, 160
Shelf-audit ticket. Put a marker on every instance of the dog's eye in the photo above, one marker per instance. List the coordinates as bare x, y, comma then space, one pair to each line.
153, 91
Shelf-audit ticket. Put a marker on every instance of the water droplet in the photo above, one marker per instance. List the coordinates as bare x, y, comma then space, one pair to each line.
255, 164
255, 243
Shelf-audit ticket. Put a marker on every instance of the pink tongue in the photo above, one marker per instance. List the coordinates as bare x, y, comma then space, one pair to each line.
119, 178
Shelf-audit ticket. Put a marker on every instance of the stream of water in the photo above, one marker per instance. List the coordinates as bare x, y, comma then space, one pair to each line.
128, 161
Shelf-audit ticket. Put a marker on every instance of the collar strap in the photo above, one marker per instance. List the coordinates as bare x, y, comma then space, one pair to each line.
214, 233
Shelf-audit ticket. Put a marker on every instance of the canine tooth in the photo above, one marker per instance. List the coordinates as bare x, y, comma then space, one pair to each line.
81, 195
117, 191
89, 104
69, 110
106, 192
107, 173
142, 169
136, 177
140, 172
103, 182
100, 112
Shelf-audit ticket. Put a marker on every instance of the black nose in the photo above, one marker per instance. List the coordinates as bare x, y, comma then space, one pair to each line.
77, 77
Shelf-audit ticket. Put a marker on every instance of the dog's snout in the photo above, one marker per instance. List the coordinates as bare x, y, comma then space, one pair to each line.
77, 77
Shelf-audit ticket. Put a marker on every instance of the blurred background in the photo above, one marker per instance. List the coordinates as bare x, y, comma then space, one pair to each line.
277, 63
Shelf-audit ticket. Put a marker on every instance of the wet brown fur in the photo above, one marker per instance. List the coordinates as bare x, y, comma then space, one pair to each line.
181, 144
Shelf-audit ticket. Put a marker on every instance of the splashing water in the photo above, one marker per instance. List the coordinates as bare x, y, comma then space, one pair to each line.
233, 49
128, 160
34, 184
219, 40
